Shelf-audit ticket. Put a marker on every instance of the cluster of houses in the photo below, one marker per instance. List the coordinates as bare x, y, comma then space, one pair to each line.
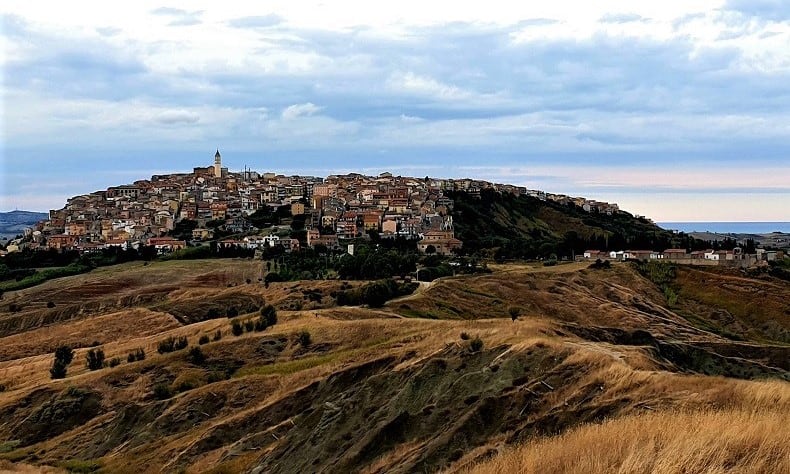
336, 209
732, 257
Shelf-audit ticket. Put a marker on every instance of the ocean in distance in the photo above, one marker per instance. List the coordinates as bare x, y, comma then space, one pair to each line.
728, 227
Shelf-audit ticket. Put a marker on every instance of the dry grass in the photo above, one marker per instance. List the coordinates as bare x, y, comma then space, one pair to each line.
738, 440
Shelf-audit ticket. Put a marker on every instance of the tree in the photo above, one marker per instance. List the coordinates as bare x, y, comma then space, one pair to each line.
237, 328
196, 356
514, 312
63, 357
269, 313
94, 360
304, 338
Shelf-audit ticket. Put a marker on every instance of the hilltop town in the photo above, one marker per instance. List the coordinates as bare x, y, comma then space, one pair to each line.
334, 210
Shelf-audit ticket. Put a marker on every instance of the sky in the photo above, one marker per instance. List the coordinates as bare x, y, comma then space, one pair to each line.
679, 111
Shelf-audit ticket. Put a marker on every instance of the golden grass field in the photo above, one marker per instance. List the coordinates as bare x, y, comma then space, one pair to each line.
598, 374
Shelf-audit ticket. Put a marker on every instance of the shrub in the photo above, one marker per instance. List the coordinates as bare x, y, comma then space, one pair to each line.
196, 356
181, 343
260, 324
137, 354
233, 312
58, 370
203, 339
248, 281
63, 357
168, 345
217, 335
249, 325
162, 391
465, 336
95, 344
50, 304
94, 359
304, 338
514, 312
269, 313
476, 344
115, 362
237, 329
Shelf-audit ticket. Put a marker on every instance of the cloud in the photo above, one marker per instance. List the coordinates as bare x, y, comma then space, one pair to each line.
775, 10
174, 117
264, 21
621, 18
178, 16
300, 110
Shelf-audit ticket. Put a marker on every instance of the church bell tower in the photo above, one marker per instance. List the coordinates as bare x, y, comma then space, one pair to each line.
217, 164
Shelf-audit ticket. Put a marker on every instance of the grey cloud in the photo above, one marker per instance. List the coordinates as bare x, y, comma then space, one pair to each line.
174, 117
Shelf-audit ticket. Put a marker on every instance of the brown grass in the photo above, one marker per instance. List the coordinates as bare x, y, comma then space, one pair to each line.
711, 441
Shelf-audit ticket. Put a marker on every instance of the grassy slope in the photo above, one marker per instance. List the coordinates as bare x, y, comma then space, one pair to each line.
373, 391
496, 219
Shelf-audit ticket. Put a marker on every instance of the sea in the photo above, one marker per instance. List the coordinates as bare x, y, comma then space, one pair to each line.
728, 227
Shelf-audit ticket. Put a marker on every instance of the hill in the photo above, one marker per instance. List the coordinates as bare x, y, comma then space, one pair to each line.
14, 222
404, 388
509, 226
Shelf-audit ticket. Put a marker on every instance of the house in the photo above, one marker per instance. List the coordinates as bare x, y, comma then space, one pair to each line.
442, 242
166, 244
675, 253
202, 233
61, 241
297, 209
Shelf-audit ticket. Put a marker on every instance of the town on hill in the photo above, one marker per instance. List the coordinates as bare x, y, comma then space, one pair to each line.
211, 202
249, 213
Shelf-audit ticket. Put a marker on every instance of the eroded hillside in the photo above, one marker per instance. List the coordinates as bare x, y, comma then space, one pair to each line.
400, 389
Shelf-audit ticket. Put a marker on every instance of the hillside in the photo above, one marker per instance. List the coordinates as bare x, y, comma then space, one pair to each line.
14, 223
403, 388
525, 227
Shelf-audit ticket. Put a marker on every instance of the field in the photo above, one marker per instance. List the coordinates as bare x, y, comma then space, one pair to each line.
597, 370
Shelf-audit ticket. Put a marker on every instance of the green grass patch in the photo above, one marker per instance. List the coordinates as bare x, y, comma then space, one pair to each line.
8, 446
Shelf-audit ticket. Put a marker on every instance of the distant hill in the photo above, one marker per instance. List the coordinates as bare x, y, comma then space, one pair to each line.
525, 227
14, 222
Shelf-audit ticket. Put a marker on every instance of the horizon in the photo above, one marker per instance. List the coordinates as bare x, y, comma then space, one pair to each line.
678, 112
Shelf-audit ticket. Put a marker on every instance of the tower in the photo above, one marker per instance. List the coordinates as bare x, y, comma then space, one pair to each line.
217, 164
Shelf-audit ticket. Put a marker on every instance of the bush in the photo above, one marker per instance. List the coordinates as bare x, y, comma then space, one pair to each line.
196, 356
237, 329
172, 344
95, 344
249, 325
115, 362
233, 312
260, 324
137, 354
50, 304
162, 391
269, 313
514, 312
63, 357
465, 336
94, 360
476, 344
203, 339
168, 345
304, 338
181, 343
217, 335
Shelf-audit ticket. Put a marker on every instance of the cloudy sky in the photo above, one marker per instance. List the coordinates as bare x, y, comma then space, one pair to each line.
676, 110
